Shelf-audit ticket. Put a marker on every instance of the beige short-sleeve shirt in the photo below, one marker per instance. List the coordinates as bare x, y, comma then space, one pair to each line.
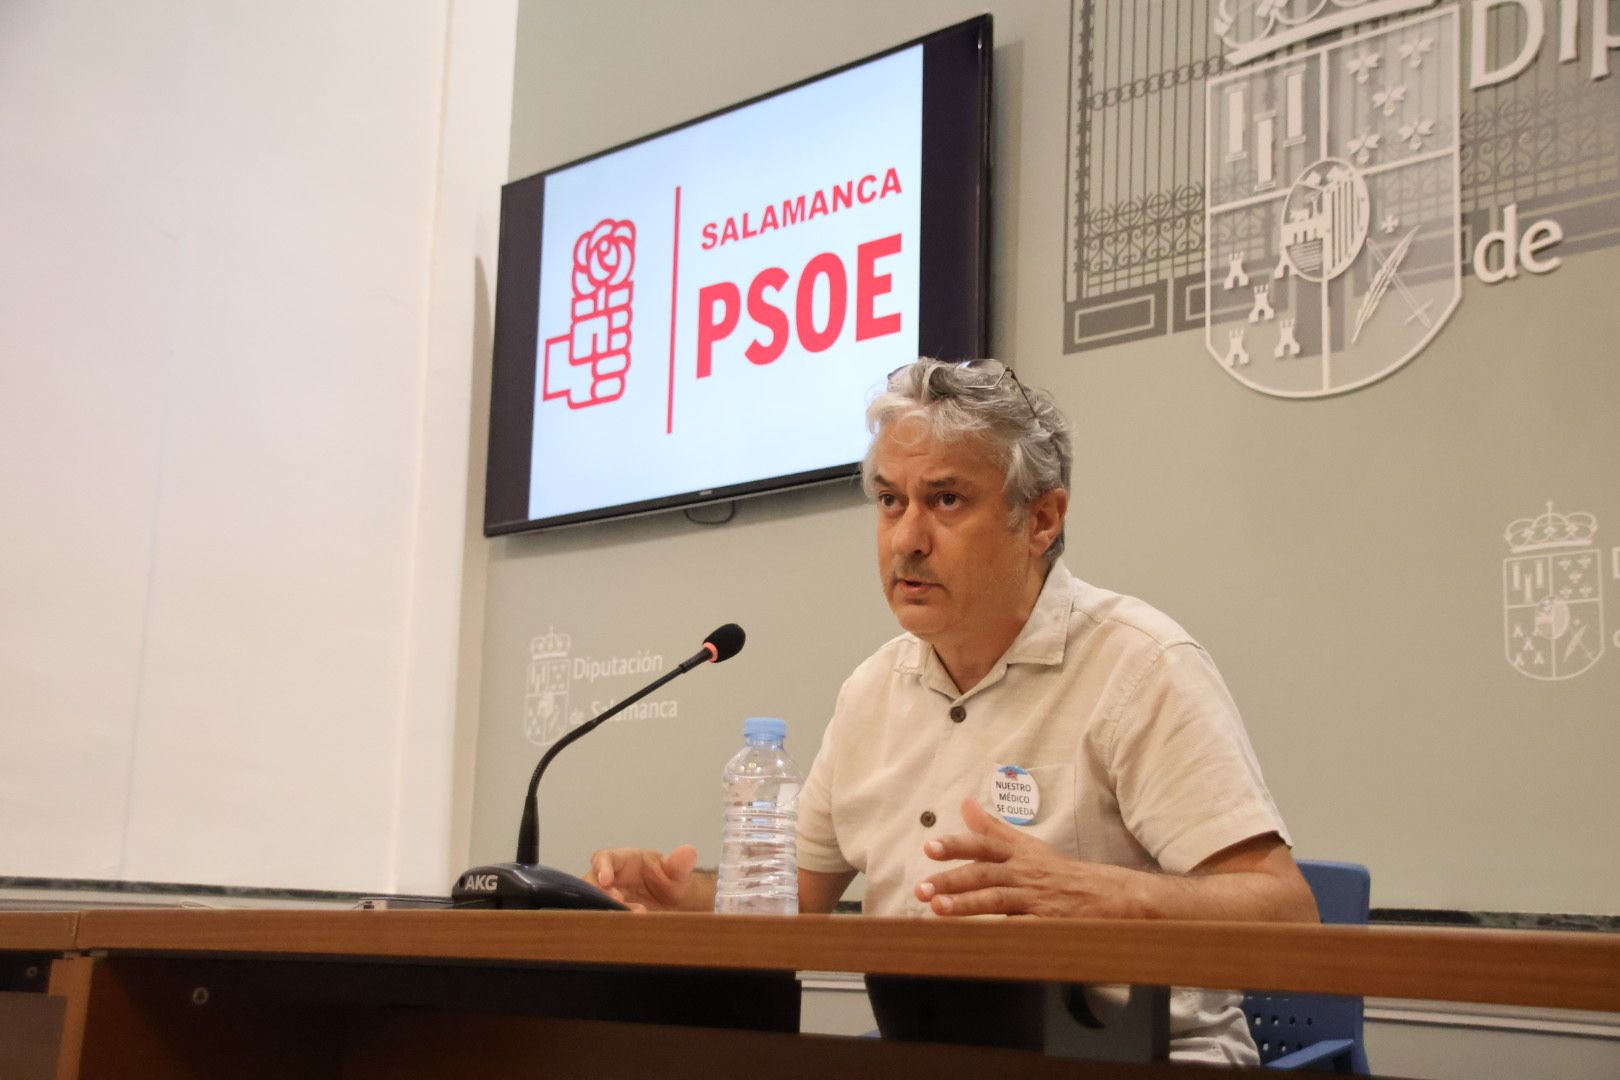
1119, 718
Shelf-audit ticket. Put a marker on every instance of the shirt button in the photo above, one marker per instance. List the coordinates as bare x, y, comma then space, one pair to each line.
928, 819
958, 714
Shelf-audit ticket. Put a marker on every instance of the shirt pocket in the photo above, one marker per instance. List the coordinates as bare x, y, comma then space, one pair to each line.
1054, 818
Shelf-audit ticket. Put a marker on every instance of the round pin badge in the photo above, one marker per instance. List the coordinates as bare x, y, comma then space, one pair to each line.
1015, 797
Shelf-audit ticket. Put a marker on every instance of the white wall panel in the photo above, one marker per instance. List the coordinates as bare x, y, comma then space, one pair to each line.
90, 143
236, 382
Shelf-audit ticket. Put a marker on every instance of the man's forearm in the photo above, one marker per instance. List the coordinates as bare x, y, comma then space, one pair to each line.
1256, 881
1012, 873
1253, 896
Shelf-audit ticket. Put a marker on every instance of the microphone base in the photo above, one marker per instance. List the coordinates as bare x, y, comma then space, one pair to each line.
518, 886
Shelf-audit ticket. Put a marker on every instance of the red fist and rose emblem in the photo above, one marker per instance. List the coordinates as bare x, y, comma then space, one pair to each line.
588, 364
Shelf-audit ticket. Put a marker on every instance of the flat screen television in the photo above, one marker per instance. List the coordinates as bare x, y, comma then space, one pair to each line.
702, 314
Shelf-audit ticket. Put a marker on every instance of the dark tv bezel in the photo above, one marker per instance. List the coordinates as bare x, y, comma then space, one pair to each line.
953, 289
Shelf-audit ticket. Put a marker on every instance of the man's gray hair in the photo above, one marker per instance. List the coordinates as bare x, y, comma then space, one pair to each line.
983, 400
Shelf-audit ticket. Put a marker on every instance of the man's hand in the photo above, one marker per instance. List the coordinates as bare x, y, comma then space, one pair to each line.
1014, 873
649, 881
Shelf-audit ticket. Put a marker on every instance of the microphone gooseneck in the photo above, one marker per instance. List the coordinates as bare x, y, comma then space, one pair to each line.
726, 642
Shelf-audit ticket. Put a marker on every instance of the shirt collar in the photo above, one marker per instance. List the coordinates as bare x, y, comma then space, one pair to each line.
1041, 641
1046, 631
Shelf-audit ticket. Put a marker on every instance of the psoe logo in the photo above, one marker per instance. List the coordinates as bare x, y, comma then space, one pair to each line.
1332, 220
1552, 595
546, 716
589, 363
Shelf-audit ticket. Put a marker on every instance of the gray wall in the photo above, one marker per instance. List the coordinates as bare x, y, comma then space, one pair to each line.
1341, 558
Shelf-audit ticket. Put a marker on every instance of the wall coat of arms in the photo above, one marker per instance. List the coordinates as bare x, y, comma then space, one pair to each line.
1332, 219
1552, 595
546, 715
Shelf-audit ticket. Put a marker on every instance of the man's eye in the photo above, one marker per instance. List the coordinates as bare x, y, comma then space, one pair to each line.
885, 500
949, 498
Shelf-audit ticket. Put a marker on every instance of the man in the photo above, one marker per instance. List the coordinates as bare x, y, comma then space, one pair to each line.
1062, 750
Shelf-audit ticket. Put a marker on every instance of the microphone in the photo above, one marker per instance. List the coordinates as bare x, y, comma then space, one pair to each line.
723, 644
525, 883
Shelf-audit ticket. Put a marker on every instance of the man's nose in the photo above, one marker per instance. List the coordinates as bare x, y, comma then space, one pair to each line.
910, 533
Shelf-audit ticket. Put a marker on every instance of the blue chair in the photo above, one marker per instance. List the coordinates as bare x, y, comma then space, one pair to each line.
1317, 1031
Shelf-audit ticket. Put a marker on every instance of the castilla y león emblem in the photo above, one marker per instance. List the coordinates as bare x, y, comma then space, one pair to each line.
1552, 595
1332, 232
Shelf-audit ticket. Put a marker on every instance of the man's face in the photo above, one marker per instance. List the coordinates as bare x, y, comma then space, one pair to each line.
953, 568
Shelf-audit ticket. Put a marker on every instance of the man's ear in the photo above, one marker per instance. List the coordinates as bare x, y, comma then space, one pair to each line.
1046, 515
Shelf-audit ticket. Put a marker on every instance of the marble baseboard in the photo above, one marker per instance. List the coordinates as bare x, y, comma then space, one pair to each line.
26, 891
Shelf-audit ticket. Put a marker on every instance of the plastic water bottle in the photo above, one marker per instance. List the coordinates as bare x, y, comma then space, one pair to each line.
759, 863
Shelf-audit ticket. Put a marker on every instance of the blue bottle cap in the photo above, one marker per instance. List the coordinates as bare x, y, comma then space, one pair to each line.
765, 727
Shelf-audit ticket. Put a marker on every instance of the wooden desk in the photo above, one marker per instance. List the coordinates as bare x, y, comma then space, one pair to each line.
38, 931
1543, 968
430, 993
31, 1020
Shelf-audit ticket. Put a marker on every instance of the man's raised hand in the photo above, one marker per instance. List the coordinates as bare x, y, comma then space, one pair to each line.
1011, 872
